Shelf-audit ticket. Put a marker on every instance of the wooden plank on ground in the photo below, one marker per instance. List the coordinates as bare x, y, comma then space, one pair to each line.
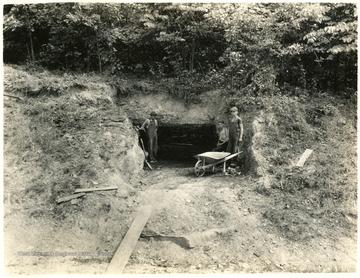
128, 243
95, 189
304, 157
19, 98
70, 197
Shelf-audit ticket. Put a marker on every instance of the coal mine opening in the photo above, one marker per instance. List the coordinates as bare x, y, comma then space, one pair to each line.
180, 142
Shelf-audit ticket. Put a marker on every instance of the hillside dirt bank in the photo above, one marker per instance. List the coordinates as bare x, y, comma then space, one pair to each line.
273, 217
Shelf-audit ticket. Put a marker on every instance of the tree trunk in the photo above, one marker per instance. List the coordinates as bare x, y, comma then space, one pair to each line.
66, 60
88, 59
232, 79
99, 56
192, 55
183, 58
335, 79
29, 26
28, 51
32, 55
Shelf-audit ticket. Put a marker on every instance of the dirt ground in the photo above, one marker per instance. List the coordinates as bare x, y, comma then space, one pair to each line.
221, 216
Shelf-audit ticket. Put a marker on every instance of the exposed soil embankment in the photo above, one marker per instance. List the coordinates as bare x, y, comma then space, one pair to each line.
205, 110
54, 145
274, 217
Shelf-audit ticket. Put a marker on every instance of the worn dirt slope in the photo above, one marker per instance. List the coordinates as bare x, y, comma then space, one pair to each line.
69, 132
225, 221
72, 136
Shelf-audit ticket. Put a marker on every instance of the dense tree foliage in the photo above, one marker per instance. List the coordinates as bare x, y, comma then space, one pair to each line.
253, 47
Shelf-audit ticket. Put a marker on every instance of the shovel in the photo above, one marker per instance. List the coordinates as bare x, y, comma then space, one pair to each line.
143, 148
146, 162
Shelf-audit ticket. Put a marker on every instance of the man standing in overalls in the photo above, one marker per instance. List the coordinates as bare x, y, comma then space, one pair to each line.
150, 126
235, 131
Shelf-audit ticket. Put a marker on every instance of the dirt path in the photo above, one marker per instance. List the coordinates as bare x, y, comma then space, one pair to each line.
222, 216
212, 224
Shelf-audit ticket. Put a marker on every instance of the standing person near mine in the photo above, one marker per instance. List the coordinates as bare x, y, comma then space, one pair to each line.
223, 137
151, 126
236, 131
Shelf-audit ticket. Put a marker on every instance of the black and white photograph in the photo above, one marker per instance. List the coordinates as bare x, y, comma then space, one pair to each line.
179, 137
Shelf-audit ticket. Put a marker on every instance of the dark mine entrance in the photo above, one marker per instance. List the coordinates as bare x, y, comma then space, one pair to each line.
180, 142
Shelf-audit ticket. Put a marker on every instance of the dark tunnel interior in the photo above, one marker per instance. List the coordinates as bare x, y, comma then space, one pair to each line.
180, 142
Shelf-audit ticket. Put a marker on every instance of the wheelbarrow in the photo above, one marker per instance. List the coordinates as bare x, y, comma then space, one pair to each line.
211, 159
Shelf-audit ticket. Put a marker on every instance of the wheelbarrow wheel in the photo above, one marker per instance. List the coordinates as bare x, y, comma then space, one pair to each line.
199, 169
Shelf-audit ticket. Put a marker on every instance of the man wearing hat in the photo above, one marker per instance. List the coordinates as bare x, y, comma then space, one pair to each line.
235, 131
150, 126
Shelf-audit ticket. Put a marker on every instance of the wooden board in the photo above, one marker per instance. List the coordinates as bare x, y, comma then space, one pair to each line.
127, 245
19, 98
95, 189
304, 157
70, 197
